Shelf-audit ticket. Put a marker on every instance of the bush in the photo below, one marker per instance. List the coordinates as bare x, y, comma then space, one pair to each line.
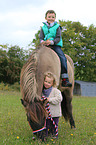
2, 86
7, 87
15, 86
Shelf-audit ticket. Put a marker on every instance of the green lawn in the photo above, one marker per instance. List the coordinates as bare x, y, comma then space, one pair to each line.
14, 128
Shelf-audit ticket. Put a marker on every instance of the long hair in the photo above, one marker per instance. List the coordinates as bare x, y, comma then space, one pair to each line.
28, 83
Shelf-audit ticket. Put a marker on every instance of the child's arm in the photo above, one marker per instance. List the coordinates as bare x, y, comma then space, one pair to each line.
41, 36
56, 98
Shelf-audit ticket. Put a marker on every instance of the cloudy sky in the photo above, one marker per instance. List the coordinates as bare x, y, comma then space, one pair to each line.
21, 19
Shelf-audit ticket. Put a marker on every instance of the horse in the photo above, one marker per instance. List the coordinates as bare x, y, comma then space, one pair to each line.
44, 59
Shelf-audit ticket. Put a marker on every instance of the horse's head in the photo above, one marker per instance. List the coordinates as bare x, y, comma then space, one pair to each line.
36, 113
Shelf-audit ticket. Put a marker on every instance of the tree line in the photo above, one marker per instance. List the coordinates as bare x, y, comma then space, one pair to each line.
12, 59
79, 42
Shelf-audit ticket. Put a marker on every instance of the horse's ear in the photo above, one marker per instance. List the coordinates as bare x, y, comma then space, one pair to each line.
23, 102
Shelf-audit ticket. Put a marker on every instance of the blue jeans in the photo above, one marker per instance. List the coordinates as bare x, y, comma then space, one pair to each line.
62, 57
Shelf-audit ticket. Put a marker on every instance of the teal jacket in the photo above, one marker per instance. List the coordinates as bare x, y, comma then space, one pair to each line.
50, 33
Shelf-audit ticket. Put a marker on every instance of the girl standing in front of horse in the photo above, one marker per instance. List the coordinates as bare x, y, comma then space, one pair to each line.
50, 35
53, 99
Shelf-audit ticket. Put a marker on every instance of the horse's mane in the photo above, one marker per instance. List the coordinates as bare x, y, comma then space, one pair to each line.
28, 84
27, 81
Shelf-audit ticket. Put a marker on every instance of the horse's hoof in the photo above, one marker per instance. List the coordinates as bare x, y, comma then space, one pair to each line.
73, 127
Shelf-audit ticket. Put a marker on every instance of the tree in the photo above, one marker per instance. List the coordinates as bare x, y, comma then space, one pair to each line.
3, 63
80, 44
35, 41
11, 61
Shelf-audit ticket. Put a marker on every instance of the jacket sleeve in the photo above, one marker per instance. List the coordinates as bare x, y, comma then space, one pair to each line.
56, 97
41, 36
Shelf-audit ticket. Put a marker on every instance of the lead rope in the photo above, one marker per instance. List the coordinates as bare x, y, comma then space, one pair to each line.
49, 115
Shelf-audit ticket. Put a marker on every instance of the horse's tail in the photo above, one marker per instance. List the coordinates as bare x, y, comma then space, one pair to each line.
28, 83
70, 67
67, 94
70, 61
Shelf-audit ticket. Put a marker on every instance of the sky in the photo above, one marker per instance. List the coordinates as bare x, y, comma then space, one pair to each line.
20, 20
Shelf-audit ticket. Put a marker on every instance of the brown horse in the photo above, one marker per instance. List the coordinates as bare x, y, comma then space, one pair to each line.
31, 82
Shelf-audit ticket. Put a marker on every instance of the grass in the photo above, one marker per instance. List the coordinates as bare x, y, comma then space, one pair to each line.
14, 128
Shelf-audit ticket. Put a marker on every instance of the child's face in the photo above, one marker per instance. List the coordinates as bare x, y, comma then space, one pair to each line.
50, 17
48, 82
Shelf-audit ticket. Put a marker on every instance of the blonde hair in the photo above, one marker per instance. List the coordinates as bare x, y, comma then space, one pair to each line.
51, 75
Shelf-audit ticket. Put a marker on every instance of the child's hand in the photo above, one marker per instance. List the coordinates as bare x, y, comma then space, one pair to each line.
44, 43
48, 42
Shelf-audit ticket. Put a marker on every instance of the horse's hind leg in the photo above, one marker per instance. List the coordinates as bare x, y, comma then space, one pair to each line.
67, 109
70, 116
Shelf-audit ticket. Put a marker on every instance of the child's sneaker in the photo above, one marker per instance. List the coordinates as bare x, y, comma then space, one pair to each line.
66, 83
